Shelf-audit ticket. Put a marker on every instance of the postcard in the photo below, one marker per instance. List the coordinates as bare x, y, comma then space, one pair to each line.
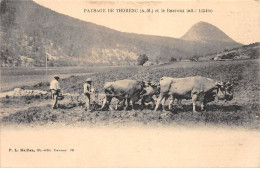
130, 84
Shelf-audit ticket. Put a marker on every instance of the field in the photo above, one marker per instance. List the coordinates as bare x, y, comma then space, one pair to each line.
21, 76
242, 111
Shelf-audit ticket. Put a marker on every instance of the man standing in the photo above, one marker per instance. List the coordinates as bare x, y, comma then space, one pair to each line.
55, 91
87, 91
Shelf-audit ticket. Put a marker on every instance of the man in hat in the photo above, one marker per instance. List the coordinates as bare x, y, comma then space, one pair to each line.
55, 91
87, 91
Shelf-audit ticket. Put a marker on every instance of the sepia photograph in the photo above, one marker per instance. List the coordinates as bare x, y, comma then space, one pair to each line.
130, 84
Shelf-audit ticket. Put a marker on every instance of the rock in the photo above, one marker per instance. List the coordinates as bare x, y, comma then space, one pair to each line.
17, 89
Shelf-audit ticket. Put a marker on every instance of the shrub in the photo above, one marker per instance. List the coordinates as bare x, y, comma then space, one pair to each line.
142, 59
254, 53
172, 59
229, 56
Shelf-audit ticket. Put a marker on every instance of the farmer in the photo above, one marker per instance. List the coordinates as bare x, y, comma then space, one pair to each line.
87, 91
55, 91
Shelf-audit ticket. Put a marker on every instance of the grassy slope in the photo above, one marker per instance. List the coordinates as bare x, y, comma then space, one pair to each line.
241, 111
250, 51
38, 31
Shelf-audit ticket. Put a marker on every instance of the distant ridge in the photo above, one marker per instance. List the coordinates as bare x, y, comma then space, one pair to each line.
28, 36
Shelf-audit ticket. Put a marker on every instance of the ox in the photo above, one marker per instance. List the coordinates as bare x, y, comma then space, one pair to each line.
151, 90
123, 90
196, 88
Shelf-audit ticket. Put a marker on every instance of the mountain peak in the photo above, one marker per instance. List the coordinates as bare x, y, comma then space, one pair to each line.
206, 33
87, 43
203, 22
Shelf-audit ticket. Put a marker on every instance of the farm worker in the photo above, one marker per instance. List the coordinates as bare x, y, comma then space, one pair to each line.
87, 91
55, 91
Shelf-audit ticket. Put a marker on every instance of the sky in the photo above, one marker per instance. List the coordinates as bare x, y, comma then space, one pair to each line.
239, 19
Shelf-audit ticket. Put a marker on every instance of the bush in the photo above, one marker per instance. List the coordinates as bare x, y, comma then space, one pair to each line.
229, 56
254, 54
172, 59
142, 59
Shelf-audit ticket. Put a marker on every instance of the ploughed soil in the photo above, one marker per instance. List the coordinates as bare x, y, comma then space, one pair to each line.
243, 110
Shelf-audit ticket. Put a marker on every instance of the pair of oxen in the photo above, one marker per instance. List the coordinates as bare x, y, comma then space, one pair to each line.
196, 88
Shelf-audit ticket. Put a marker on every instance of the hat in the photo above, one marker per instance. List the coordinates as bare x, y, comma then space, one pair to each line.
89, 80
56, 77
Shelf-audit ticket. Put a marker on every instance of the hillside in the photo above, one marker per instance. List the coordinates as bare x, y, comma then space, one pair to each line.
27, 36
251, 51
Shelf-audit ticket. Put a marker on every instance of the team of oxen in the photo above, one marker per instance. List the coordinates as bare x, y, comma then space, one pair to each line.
196, 88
